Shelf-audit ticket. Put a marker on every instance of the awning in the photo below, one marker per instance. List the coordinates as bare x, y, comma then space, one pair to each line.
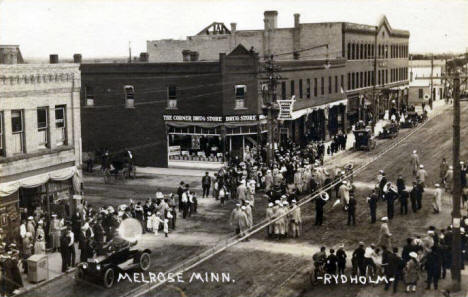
9, 188
399, 88
299, 113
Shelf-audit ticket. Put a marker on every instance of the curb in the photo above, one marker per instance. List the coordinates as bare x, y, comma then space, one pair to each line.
46, 282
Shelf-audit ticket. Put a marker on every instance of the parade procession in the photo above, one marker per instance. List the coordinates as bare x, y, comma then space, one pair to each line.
312, 149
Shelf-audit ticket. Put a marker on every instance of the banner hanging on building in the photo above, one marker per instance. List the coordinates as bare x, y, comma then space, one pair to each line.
285, 109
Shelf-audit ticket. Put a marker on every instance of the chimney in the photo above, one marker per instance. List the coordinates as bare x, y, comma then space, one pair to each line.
270, 19
144, 57
53, 59
233, 28
194, 56
77, 58
296, 20
186, 55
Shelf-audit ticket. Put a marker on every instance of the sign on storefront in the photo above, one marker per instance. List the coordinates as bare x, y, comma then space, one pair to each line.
214, 119
174, 150
285, 109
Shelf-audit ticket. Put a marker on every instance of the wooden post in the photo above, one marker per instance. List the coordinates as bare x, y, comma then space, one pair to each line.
456, 216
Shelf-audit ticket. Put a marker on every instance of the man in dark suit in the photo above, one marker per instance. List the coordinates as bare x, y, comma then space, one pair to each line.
206, 184
372, 200
414, 196
319, 203
433, 268
352, 211
65, 251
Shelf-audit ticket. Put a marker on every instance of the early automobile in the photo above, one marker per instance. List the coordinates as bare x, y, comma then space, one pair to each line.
364, 139
389, 130
411, 120
119, 256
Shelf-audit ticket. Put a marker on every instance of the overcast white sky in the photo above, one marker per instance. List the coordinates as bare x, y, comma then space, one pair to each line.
97, 28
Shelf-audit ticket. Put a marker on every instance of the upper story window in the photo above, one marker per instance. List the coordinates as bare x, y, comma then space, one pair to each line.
322, 86
308, 88
129, 96
240, 92
171, 97
293, 88
61, 124
89, 96
283, 90
315, 87
17, 129
300, 89
43, 126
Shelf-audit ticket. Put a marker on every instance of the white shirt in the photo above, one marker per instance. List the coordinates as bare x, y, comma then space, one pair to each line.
72, 237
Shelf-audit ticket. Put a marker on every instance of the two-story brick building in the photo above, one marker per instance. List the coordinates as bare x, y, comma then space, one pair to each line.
39, 141
375, 71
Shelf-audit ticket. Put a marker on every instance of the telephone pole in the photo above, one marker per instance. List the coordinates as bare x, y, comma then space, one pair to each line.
432, 83
456, 216
272, 79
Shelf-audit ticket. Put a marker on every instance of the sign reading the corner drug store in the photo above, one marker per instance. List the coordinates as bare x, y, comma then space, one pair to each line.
285, 109
213, 119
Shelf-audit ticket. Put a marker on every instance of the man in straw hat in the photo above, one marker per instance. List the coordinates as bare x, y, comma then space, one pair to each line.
437, 202
296, 220
414, 162
385, 237
372, 200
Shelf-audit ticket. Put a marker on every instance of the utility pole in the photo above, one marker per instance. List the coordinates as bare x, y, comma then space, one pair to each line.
432, 82
273, 78
129, 52
456, 216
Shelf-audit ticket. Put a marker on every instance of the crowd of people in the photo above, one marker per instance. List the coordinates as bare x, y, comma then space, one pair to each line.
430, 255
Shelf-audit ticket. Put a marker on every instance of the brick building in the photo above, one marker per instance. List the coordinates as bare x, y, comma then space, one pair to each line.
376, 71
39, 141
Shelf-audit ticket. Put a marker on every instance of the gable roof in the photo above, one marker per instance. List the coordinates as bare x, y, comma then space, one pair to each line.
215, 28
360, 28
240, 50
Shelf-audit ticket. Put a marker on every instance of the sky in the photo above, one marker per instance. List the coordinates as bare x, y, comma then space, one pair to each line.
104, 28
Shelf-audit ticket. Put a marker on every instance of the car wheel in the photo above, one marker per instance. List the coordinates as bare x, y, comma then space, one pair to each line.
79, 273
109, 277
145, 261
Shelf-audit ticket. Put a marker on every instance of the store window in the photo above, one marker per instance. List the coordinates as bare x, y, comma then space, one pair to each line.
315, 86
129, 92
17, 129
89, 96
300, 89
421, 93
43, 126
61, 125
171, 97
283, 90
240, 91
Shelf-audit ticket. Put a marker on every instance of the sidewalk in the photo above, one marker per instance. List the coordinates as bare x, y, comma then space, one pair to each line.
54, 271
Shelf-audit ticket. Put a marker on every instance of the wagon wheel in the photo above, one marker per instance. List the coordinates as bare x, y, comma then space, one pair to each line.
109, 277
145, 261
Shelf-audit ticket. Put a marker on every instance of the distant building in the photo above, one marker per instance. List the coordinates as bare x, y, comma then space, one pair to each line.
419, 87
10, 54
39, 141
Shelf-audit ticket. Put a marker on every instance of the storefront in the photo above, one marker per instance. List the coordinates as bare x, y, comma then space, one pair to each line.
51, 192
212, 139
318, 122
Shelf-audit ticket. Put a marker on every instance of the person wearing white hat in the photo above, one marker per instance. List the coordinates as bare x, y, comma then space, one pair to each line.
31, 226
414, 162
55, 229
269, 216
385, 237
296, 220
248, 212
298, 181
319, 204
421, 176
448, 179
343, 194
234, 218
412, 272
437, 199
268, 180
280, 224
